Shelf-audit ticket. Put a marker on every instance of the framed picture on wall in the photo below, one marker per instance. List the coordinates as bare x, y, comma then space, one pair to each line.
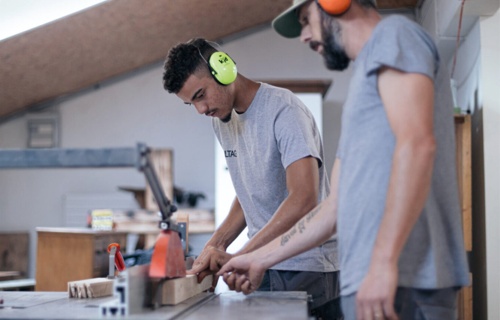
43, 131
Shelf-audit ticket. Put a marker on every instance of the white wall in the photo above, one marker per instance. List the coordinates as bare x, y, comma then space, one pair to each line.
441, 19
490, 84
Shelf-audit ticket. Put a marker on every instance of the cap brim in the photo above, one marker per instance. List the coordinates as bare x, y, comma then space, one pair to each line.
287, 23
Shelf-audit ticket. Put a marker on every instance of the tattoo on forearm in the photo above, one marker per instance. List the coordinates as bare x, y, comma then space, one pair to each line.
287, 236
301, 225
311, 214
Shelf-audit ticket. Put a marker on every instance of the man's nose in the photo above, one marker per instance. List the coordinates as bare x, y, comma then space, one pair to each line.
202, 108
305, 34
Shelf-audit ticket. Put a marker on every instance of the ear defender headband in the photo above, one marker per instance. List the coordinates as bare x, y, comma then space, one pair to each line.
334, 7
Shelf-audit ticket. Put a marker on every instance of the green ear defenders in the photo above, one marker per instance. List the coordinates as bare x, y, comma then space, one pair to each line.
222, 68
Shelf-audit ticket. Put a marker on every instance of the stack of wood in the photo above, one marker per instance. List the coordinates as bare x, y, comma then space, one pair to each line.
172, 292
90, 288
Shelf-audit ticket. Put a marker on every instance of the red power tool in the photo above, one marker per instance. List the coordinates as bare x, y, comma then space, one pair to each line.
168, 255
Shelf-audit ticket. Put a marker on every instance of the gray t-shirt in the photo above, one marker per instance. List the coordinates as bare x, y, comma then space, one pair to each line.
276, 130
434, 255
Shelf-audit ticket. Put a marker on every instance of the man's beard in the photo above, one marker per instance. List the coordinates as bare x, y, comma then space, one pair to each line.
334, 54
227, 118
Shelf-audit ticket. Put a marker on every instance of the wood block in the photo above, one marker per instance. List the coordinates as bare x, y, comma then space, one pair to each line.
464, 173
90, 288
465, 302
176, 290
163, 166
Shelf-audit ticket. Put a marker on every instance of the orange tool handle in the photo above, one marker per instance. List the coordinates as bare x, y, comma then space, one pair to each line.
119, 262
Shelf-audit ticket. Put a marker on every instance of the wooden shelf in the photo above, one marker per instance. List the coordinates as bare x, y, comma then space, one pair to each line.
464, 172
14, 249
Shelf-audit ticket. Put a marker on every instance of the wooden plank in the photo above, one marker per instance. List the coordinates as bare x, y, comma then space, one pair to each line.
176, 290
9, 275
163, 165
464, 174
19, 284
128, 39
314, 86
90, 288
465, 302
396, 4
146, 222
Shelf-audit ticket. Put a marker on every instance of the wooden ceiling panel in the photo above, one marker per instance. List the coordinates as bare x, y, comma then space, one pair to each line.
110, 39
397, 4
116, 37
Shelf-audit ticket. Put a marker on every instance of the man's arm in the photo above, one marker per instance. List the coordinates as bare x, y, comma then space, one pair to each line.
244, 273
408, 99
302, 182
214, 255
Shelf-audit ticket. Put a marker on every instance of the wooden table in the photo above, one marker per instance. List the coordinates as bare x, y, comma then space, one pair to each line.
227, 305
26, 284
9, 275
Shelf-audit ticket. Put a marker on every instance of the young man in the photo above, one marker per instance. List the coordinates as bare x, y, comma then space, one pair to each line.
274, 154
393, 184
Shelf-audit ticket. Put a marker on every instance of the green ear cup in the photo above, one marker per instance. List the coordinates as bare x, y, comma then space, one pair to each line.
222, 67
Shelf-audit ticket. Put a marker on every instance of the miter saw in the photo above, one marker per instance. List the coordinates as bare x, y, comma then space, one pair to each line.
168, 259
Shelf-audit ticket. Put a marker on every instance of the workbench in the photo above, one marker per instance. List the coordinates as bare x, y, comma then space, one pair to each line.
227, 305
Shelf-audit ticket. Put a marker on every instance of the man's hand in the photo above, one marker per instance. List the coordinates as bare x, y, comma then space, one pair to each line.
208, 262
375, 298
242, 274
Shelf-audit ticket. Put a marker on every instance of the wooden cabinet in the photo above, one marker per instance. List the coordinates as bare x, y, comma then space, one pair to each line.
464, 170
14, 252
66, 254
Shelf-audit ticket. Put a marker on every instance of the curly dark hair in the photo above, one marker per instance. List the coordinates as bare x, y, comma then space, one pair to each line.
183, 60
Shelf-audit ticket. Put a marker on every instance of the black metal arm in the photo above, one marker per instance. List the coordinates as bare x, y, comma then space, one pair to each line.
165, 206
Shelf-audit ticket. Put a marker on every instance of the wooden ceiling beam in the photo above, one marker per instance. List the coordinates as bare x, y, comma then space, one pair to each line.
86, 48
397, 4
